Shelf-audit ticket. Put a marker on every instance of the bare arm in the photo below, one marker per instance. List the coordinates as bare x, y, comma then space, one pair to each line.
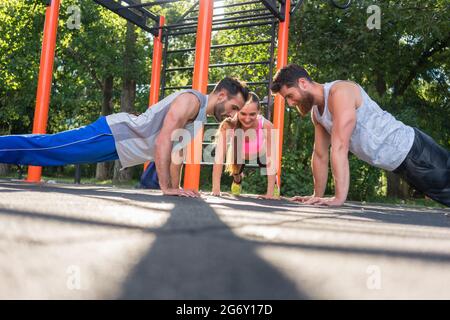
342, 107
320, 158
221, 149
183, 108
175, 170
271, 162
319, 163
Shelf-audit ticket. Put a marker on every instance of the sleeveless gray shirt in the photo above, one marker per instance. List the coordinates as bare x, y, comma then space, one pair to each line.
378, 138
135, 135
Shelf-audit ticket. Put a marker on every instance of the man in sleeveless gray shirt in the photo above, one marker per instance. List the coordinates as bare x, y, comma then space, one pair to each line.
347, 119
131, 139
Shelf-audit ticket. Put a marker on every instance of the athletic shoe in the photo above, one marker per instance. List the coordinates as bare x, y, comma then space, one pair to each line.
276, 192
236, 189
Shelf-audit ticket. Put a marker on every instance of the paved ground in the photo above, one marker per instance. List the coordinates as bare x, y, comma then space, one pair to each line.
91, 242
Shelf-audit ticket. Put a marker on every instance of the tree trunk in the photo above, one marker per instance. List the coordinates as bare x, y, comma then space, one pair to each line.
396, 187
4, 169
104, 169
128, 94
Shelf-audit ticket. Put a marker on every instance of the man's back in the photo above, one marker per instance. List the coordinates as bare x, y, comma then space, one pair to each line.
135, 135
378, 138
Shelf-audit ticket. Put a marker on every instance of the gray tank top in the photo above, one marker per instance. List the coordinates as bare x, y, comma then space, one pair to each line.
135, 135
378, 138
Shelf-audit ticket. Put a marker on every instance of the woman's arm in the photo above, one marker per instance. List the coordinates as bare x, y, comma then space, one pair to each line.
221, 149
271, 162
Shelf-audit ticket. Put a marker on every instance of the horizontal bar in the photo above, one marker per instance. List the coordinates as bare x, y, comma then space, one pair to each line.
232, 13
223, 46
130, 7
243, 18
180, 26
148, 4
228, 13
222, 65
248, 25
131, 16
224, 28
214, 84
237, 4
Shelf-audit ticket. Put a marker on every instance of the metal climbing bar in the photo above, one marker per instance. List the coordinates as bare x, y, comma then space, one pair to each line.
223, 46
136, 15
212, 85
282, 60
45, 79
223, 65
199, 82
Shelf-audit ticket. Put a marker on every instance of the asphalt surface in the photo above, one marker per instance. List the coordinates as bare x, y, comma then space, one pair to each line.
95, 242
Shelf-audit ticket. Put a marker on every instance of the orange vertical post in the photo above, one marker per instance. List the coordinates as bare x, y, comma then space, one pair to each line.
282, 59
45, 79
155, 80
200, 83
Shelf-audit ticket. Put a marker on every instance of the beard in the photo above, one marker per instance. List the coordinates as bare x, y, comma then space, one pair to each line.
219, 111
306, 103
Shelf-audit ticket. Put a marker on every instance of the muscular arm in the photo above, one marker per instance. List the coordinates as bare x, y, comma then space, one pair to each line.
320, 158
342, 104
221, 149
272, 163
175, 170
183, 108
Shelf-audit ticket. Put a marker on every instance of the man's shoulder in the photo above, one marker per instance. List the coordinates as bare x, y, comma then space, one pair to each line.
191, 97
343, 86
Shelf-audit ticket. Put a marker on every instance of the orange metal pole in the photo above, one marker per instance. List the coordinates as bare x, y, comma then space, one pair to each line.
155, 80
282, 59
200, 83
45, 79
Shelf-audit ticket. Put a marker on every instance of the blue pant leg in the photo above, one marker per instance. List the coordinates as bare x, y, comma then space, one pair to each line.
89, 144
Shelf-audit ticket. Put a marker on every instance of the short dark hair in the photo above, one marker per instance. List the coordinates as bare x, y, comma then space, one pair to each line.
288, 76
233, 86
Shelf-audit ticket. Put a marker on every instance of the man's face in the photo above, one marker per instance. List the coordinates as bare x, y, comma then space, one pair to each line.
296, 96
227, 106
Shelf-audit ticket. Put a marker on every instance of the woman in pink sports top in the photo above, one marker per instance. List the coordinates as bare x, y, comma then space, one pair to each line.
246, 137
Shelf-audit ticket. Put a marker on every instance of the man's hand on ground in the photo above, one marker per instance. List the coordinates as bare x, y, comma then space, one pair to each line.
318, 201
304, 199
329, 202
181, 192
268, 197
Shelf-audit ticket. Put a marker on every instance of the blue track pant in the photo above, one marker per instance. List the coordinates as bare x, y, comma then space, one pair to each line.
89, 144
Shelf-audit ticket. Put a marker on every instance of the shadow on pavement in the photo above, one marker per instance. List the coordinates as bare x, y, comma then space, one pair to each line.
205, 264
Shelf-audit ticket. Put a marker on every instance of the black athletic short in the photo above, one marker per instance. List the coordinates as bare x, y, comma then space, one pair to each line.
427, 168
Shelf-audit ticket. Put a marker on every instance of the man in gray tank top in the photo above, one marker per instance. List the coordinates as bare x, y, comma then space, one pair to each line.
131, 139
347, 119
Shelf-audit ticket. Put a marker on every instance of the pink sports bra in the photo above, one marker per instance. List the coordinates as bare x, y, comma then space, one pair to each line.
254, 146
